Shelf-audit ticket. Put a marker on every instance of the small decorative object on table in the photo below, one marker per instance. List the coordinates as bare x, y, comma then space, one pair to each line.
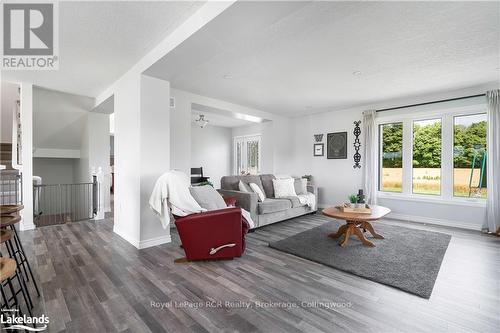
353, 199
355, 208
309, 179
361, 196
357, 144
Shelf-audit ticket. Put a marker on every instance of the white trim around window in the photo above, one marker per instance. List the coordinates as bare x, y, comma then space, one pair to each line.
407, 117
243, 139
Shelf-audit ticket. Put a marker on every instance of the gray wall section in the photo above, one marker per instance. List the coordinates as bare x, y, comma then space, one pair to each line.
55, 170
211, 148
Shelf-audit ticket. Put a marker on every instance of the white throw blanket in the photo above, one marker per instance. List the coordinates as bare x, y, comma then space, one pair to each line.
308, 199
172, 191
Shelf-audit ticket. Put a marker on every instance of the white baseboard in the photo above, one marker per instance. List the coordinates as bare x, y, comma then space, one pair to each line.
128, 238
154, 241
25, 227
144, 243
430, 220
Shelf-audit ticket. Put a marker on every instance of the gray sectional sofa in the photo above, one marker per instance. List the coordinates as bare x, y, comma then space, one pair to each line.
270, 210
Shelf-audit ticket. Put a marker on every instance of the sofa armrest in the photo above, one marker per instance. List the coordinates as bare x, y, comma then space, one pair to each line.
314, 190
245, 200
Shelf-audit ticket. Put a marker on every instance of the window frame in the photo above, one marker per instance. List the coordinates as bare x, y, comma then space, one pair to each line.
407, 117
243, 139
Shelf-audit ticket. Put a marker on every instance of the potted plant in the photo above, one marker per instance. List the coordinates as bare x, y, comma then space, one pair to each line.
353, 199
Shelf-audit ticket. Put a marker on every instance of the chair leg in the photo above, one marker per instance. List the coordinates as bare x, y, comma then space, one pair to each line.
19, 273
20, 246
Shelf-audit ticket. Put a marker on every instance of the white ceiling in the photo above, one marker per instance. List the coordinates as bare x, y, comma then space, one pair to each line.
100, 41
215, 119
299, 57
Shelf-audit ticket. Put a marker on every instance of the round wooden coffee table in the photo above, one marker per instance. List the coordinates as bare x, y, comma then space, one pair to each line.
355, 222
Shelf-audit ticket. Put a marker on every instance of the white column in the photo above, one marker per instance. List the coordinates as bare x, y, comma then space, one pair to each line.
142, 154
155, 153
27, 155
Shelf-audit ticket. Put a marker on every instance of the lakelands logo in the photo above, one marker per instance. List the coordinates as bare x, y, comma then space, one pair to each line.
10, 320
30, 36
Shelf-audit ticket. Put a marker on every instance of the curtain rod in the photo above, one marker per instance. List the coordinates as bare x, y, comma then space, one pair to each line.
427, 103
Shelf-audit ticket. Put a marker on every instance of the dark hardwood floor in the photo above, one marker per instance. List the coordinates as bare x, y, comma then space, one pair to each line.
93, 281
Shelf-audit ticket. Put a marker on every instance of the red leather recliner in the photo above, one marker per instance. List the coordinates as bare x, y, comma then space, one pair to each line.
217, 234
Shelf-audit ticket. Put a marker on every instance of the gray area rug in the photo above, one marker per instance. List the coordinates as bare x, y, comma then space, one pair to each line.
406, 259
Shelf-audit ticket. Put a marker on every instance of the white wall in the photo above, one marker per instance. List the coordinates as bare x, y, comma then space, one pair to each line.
180, 131
55, 170
211, 148
9, 95
58, 119
335, 178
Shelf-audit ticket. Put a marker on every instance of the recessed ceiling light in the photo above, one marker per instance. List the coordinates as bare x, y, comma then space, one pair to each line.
228, 76
356, 73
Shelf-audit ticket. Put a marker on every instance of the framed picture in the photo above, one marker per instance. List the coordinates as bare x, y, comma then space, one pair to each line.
336, 145
319, 149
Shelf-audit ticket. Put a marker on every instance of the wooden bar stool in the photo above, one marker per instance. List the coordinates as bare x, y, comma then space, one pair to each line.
8, 272
6, 237
10, 209
16, 250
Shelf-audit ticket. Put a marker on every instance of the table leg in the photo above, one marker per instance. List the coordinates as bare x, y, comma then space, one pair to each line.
348, 234
357, 231
369, 227
342, 229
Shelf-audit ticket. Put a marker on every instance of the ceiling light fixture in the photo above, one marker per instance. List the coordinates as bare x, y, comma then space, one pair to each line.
201, 121
228, 76
356, 73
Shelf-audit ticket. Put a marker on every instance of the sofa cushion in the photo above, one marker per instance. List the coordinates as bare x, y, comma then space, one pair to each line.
267, 183
300, 186
294, 201
244, 187
231, 182
284, 188
273, 205
207, 197
258, 190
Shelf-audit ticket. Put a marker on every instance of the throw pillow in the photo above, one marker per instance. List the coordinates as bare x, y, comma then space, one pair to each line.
284, 188
257, 190
300, 186
207, 197
244, 187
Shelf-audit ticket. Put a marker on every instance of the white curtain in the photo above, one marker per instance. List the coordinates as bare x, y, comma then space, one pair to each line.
370, 146
492, 223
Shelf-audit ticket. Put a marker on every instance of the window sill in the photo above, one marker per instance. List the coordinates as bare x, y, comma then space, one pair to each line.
433, 199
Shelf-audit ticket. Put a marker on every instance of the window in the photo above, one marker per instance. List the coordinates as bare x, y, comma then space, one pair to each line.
469, 156
434, 153
247, 154
391, 176
426, 177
